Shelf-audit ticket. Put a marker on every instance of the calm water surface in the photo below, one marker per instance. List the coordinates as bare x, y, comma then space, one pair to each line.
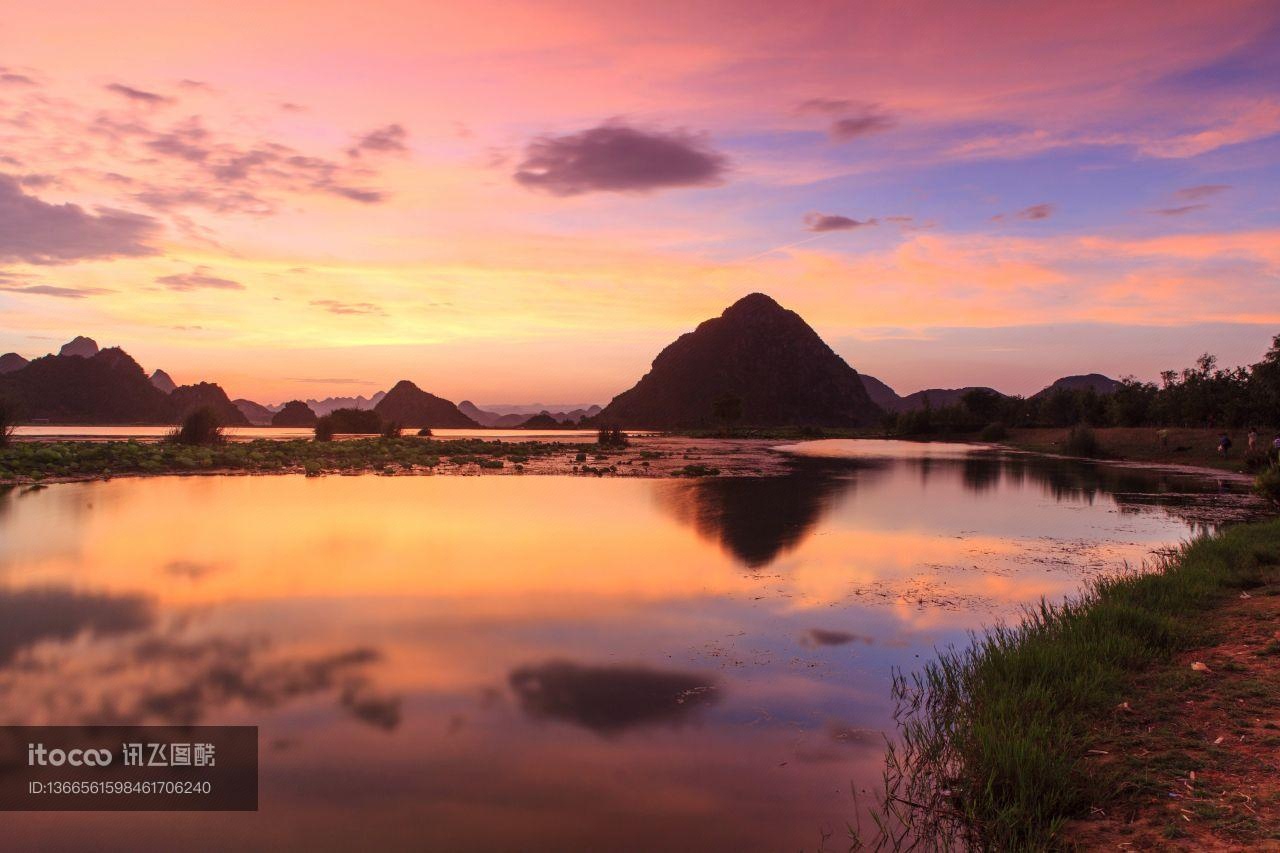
538, 663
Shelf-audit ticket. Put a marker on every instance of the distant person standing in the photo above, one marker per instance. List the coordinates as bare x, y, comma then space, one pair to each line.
1275, 448
1224, 444
1253, 439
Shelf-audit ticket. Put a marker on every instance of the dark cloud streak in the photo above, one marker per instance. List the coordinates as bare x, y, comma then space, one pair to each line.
617, 158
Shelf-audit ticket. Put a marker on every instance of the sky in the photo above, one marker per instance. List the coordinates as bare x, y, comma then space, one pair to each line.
525, 201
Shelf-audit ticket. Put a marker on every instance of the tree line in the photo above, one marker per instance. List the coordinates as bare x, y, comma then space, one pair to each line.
1204, 395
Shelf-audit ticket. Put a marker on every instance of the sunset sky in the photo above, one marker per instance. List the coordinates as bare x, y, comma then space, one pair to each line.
517, 202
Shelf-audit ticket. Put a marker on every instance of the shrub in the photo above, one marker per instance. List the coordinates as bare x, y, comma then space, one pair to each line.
425, 432
1267, 484
201, 427
1081, 441
356, 421
391, 429
8, 420
994, 431
612, 437
324, 429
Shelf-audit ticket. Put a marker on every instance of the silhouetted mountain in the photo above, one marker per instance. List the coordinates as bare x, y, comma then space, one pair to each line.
939, 397
408, 405
106, 388
329, 404
1095, 381
81, 346
255, 413
161, 380
881, 394
11, 361
187, 398
294, 414
507, 415
758, 351
544, 420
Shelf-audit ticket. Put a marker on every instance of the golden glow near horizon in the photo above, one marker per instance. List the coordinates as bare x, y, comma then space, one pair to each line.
300, 200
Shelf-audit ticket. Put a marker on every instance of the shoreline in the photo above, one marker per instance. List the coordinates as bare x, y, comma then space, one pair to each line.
1039, 734
648, 455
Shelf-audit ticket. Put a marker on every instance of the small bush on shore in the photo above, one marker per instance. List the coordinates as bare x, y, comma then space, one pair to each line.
9, 418
994, 431
1082, 441
1267, 484
391, 429
425, 432
324, 429
200, 428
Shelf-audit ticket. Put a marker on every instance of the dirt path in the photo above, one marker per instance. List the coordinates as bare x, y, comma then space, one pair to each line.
1199, 748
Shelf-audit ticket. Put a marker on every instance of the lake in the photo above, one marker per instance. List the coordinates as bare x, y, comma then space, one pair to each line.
542, 663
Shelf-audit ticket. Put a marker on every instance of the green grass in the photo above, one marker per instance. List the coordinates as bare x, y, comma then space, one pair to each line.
993, 739
30, 460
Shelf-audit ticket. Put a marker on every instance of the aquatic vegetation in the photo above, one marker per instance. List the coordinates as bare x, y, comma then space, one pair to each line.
992, 750
79, 459
612, 437
698, 471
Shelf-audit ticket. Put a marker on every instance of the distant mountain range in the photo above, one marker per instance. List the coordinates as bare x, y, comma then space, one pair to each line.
519, 416
887, 399
766, 361
763, 363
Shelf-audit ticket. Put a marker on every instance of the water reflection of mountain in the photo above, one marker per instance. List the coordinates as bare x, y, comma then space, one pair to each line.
1201, 500
758, 518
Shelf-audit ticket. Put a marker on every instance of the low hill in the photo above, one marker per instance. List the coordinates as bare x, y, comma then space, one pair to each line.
1095, 382
256, 413
295, 413
187, 398
881, 394
409, 406
11, 361
758, 352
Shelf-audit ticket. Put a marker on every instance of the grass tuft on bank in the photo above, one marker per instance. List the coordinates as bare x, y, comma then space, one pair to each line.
994, 738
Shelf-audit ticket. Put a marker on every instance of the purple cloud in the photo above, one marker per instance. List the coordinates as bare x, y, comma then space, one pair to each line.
54, 290
1201, 191
138, 96
333, 306
36, 232
199, 278
832, 222
384, 140
616, 158
868, 120
825, 105
1181, 211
